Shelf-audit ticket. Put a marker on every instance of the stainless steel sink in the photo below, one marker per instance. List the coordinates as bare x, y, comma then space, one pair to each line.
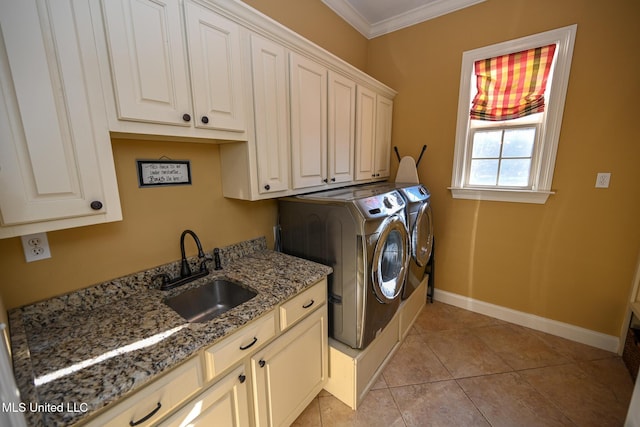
209, 300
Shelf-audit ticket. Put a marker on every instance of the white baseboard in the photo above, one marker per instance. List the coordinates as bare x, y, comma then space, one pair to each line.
553, 327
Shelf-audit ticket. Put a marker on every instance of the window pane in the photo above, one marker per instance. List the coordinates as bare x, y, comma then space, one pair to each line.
483, 172
486, 144
514, 172
518, 142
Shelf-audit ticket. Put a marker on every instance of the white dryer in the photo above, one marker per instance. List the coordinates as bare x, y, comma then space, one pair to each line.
361, 232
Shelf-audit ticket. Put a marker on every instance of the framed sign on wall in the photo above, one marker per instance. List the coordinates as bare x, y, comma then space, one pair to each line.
153, 173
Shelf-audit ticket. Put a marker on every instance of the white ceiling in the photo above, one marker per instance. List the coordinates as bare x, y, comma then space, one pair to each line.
374, 18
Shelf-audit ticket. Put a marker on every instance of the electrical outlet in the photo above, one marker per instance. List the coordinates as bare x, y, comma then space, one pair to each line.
36, 247
602, 180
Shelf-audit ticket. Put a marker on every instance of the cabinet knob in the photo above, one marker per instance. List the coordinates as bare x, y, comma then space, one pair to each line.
242, 378
333, 179
262, 363
205, 119
96, 205
325, 180
186, 117
267, 187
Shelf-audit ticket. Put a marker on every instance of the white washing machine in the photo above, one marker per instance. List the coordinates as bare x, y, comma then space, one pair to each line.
361, 232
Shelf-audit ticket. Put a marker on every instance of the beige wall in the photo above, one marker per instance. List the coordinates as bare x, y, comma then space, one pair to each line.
572, 259
148, 236
315, 21
155, 217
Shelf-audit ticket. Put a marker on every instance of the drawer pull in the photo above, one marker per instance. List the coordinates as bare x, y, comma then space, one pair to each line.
262, 363
255, 340
242, 378
308, 305
146, 417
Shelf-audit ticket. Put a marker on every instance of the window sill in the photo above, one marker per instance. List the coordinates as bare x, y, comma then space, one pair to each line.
501, 195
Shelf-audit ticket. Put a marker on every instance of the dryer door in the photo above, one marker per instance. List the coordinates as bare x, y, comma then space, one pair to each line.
390, 259
422, 235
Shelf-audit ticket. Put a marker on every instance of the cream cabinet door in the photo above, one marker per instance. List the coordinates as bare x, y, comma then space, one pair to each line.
214, 58
308, 122
384, 112
341, 128
225, 404
269, 73
291, 371
365, 134
373, 135
148, 61
56, 166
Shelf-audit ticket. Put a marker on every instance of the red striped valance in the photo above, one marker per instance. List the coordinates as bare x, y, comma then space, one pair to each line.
513, 85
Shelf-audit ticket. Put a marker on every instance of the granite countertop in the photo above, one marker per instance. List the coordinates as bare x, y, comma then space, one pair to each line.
76, 353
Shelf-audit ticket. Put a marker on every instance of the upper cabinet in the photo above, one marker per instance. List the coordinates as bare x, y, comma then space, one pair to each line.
269, 76
342, 125
373, 135
171, 76
323, 107
56, 165
308, 122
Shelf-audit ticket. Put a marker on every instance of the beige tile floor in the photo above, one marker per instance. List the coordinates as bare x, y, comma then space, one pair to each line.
459, 368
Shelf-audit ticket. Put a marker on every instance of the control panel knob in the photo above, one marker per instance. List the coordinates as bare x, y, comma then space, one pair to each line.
387, 203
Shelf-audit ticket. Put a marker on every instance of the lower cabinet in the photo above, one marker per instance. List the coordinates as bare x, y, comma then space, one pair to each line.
156, 400
257, 376
291, 371
223, 404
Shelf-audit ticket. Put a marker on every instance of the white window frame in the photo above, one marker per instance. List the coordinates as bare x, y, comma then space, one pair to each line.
546, 145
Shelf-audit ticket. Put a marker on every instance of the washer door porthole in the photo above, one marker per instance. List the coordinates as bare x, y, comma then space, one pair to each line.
422, 236
390, 260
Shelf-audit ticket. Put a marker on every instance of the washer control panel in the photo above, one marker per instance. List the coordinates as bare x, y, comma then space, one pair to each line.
416, 193
381, 205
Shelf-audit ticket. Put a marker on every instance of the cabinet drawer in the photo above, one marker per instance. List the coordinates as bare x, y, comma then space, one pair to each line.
156, 399
301, 305
227, 352
223, 404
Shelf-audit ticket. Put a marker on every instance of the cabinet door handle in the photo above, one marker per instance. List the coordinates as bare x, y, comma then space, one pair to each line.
267, 187
146, 417
242, 378
325, 180
255, 340
205, 119
308, 305
186, 117
262, 363
333, 179
96, 205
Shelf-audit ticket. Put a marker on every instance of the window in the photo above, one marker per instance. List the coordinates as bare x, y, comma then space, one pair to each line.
506, 151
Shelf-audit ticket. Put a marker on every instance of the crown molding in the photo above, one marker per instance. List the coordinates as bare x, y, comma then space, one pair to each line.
420, 14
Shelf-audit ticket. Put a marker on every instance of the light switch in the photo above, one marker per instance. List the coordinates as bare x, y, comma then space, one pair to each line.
602, 181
